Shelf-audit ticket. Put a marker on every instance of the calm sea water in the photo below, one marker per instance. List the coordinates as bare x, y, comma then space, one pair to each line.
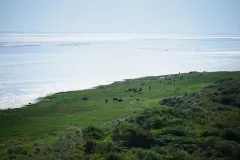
34, 65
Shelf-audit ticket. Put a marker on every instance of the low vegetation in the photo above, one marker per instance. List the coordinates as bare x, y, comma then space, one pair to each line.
181, 117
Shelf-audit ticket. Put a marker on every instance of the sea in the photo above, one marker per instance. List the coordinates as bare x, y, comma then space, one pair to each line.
34, 65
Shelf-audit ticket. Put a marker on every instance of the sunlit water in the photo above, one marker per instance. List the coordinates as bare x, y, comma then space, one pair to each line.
32, 66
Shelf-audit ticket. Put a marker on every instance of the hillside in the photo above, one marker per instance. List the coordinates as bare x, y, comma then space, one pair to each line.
191, 115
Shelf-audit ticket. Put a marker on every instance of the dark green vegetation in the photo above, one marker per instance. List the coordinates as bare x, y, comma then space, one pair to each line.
183, 116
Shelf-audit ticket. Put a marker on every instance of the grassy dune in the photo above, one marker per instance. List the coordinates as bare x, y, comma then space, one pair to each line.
63, 112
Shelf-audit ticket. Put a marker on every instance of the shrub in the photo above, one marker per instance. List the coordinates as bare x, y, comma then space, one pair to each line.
180, 155
227, 100
114, 156
90, 145
154, 123
231, 135
175, 101
131, 135
220, 125
160, 150
144, 115
211, 133
105, 147
17, 150
212, 140
147, 154
175, 131
95, 157
228, 148
93, 132
176, 121
238, 101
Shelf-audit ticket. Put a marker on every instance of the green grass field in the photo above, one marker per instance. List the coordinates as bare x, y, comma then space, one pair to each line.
60, 113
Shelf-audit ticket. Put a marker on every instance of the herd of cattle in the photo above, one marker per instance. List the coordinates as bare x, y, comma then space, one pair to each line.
139, 90
135, 90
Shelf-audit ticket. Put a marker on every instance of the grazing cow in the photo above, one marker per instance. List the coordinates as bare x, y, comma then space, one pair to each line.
115, 99
137, 99
106, 100
150, 87
120, 100
85, 98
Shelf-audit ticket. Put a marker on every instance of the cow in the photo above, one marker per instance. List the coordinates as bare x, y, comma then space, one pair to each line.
115, 99
85, 98
106, 100
120, 100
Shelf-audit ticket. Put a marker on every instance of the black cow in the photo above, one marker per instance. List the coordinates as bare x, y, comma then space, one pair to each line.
115, 99
85, 98
120, 100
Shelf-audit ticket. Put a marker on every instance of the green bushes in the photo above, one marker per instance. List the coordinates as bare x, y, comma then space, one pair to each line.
93, 132
90, 146
173, 101
211, 132
17, 150
180, 155
131, 135
231, 135
228, 148
227, 100
114, 156
146, 154
175, 131
155, 122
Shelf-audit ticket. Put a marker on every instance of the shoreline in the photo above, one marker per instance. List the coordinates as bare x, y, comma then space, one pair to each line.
41, 98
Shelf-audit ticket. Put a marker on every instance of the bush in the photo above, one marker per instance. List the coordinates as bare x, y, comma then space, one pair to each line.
180, 155
238, 101
160, 150
211, 133
95, 157
175, 101
93, 132
131, 135
144, 115
105, 147
228, 148
227, 100
114, 156
90, 146
231, 135
175, 131
212, 140
147, 154
154, 123
17, 150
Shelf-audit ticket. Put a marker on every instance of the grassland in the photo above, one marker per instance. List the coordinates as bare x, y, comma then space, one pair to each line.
42, 124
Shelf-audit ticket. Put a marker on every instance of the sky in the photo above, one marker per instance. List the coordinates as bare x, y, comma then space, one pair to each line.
121, 16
